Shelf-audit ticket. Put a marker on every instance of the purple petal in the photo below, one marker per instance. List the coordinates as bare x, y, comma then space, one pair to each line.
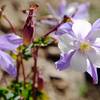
91, 69
7, 63
51, 22
64, 61
64, 28
96, 25
10, 42
94, 31
52, 11
62, 8
82, 11
14, 39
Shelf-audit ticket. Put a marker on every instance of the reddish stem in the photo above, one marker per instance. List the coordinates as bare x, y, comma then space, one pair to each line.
35, 55
18, 69
52, 30
13, 29
64, 20
20, 63
23, 69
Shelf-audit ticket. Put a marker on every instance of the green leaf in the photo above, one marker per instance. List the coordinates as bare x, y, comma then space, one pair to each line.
42, 42
27, 52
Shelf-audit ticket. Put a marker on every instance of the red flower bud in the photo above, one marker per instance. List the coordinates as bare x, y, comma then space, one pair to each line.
28, 29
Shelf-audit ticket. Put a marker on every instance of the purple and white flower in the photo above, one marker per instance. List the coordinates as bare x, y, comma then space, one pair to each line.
73, 10
9, 42
80, 49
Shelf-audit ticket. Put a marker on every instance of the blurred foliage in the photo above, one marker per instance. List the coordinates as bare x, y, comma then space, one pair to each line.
83, 89
38, 42
42, 42
19, 91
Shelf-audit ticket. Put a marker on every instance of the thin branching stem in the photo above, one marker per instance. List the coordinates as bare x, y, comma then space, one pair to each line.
20, 63
23, 69
35, 56
52, 30
12, 28
18, 68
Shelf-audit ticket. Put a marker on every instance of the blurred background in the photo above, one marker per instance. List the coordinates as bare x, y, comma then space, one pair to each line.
64, 85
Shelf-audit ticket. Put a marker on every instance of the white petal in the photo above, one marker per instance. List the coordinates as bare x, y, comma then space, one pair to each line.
97, 42
97, 60
64, 43
71, 9
91, 69
94, 57
78, 62
81, 28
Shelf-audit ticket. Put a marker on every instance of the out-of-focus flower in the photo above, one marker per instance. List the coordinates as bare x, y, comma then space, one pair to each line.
80, 49
8, 42
73, 10
29, 25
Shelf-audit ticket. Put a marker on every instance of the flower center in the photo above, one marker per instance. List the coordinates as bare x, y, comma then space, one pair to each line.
84, 47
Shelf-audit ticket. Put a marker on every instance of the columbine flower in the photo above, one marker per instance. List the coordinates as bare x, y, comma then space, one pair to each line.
8, 42
81, 13
80, 50
74, 10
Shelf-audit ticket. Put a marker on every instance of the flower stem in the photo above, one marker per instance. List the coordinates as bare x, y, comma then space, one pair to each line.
35, 55
20, 63
23, 69
52, 30
18, 68
13, 29
64, 20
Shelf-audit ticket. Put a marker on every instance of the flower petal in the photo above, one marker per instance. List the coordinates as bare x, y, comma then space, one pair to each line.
95, 31
82, 11
10, 42
7, 63
52, 11
91, 69
64, 28
15, 39
78, 62
96, 25
71, 9
51, 22
94, 56
97, 43
64, 43
81, 28
62, 7
64, 61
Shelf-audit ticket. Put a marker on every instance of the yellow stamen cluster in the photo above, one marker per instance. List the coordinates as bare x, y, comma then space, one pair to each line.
84, 47
67, 19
